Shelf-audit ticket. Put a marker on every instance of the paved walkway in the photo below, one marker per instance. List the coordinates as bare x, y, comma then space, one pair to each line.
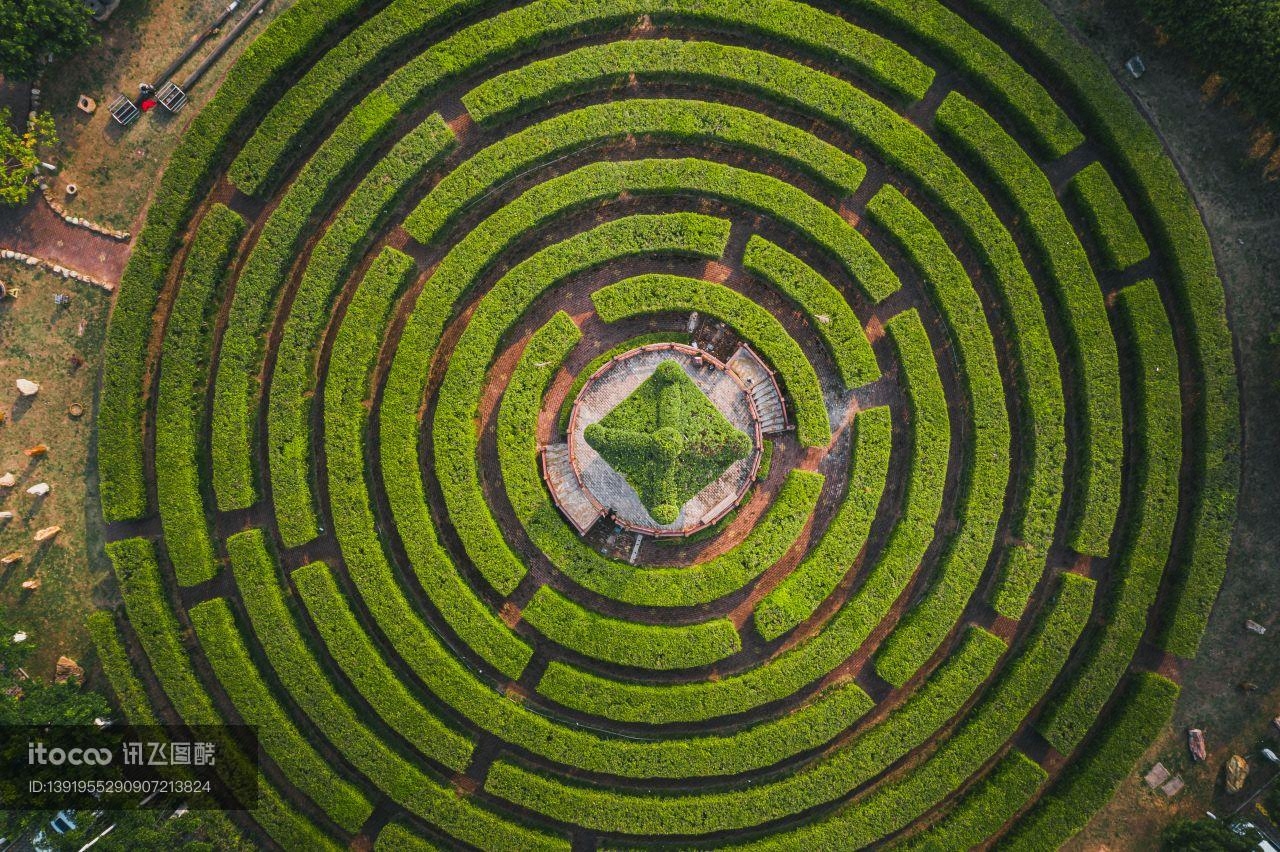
36, 230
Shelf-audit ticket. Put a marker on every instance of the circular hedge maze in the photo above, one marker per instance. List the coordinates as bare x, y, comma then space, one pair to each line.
978, 318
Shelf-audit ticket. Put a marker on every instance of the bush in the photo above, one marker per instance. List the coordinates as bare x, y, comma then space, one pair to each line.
985, 466
305, 681
131, 696
656, 293
1180, 235
1112, 225
330, 262
831, 777
454, 426
297, 759
184, 375
1141, 713
985, 808
825, 307
580, 380
272, 55
1154, 465
1084, 315
816, 577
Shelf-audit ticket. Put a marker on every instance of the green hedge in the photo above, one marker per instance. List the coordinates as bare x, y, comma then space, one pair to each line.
816, 577
1146, 541
397, 838
829, 778
330, 262
985, 729
454, 429
359, 658
987, 66
1088, 782
184, 369
1112, 225
680, 120
266, 61
157, 629
826, 309
984, 809
580, 380
910, 150
280, 135
258, 287
297, 758
305, 681
985, 466
509, 720
629, 643
657, 293
1084, 315
130, 695
1180, 234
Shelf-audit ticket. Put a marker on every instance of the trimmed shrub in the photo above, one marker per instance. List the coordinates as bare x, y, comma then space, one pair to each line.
280, 738
1154, 464
984, 810
331, 261
184, 375
831, 777
130, 695
1088, 782
648, 294
1084, 315
985, 467
816, 577
1112, 225
628, 643
827, 310
580, 380
272, 55
1181, 237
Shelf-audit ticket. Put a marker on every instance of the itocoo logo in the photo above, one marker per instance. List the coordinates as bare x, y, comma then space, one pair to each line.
40, 754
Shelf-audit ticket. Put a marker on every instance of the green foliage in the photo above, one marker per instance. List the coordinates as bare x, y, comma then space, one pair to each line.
831, 777
1112, 225
1145, 542
826, 309
1179, 234
1079, 300
184, 369
984, 810
1241, 40
130, 695
668, 440
657, 293
454, 431
580, 380
280, 738
188, 174
985, 467
331, 261
1141, 712
20, 153
815, 578
1203, 835
31, 30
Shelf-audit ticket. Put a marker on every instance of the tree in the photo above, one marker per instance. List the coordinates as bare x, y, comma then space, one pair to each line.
32, 30
1203, 835
20, 156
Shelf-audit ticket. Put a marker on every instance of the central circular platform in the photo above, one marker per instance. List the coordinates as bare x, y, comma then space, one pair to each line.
614, 396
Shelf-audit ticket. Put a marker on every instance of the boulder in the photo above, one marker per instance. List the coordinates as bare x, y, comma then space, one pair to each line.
1195, 742
40, 489
26, 387
66, 669
1254, 627
1237, 773
9, 479
46, 533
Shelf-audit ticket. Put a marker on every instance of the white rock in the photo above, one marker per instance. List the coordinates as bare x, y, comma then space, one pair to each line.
26, 387
39, 489
8, 480
19, 637
6, 516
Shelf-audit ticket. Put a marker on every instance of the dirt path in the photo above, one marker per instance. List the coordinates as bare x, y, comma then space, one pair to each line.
35, 229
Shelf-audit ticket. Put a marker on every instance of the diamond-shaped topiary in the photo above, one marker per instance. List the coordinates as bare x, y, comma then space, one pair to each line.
668, 441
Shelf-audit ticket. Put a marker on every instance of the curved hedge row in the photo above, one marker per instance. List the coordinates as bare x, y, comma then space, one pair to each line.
461, 209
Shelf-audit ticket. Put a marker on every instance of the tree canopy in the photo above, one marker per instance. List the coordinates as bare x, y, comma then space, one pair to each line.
20, 155
31, 30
